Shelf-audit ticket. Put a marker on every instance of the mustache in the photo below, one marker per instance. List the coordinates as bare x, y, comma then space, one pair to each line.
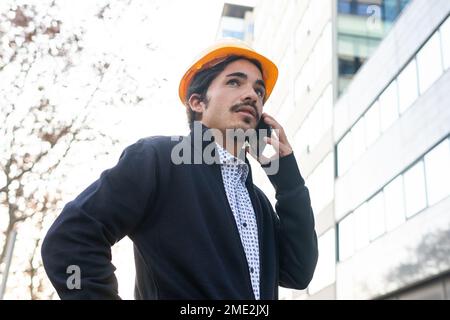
238, 106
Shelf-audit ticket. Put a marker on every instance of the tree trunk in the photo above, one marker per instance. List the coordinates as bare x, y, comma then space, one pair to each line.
7, 238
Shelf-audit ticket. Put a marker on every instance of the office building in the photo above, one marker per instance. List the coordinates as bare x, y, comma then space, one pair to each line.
363, 95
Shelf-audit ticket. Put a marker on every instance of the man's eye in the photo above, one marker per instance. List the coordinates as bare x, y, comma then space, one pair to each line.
233, 82
260, 92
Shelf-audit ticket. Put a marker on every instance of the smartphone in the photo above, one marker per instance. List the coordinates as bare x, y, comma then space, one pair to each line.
262, 130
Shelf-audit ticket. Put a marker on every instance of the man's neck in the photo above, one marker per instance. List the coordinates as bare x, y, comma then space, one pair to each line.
231, 144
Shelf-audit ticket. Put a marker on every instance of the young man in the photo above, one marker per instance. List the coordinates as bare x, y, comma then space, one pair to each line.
201, 229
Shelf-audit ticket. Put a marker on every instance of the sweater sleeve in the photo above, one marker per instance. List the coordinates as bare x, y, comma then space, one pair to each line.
81, 237
298, 251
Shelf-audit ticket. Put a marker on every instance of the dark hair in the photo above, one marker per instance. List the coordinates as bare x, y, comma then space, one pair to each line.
203, 79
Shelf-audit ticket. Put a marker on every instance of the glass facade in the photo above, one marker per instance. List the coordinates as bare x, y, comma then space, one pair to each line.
445, 41
389, 106
362, 24
423, 185
415, 195
429, 61
236, 22
368, 215
408, 89
346, 237
394, 203
376, 216
361, 224
416, 251
421, 72
406, 221
437, 171
372, 123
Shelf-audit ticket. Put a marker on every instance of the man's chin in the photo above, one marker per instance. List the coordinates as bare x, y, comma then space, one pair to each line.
245, 126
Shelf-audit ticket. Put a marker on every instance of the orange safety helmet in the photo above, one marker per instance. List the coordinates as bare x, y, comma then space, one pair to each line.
219, 52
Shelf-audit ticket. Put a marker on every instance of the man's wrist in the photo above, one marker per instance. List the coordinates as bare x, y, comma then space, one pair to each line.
288, 174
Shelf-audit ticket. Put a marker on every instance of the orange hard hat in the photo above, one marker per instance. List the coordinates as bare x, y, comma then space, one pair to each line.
219, 52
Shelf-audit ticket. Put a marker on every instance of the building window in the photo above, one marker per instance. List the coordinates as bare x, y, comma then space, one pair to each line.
372, 119
324, 274
357, 39
344, 6
361, 224
437, 171
376, 216
389, 106
395, 203
348, 66
346, 239
345, 153
400, 199
359, 139
391, 8
445, 41
408, 89
233, 34
429, 61
415, 196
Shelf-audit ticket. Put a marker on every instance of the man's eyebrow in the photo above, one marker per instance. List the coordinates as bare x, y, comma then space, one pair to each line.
244, 76
238, 74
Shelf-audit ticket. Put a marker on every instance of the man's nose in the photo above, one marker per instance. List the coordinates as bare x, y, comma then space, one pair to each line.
250, 95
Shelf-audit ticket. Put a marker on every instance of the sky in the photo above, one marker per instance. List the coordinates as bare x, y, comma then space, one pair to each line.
176, 30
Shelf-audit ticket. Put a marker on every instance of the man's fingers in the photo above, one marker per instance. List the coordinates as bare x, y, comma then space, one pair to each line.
273, 142
261, 159
281, 149
274, 124
271, 121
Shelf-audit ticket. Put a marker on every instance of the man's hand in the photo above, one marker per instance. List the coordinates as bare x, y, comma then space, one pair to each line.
280, 143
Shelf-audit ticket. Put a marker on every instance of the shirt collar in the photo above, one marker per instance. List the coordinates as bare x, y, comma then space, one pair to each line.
227, 159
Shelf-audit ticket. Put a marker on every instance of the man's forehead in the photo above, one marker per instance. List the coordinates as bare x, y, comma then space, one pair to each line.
243, 66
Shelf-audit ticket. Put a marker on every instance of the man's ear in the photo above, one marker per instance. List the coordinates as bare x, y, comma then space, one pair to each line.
196, 103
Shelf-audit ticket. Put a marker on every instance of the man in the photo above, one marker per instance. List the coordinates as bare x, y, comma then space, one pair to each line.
200, 230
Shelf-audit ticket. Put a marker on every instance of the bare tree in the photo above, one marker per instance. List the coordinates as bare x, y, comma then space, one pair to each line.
36, 134
37, 287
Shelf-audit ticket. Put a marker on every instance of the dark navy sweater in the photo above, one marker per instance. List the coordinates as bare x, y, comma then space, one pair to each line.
186, 241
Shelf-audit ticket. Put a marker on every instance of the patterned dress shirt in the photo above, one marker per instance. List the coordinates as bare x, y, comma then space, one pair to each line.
234, 174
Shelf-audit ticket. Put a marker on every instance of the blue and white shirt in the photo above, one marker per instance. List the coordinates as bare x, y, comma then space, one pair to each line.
234, 174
